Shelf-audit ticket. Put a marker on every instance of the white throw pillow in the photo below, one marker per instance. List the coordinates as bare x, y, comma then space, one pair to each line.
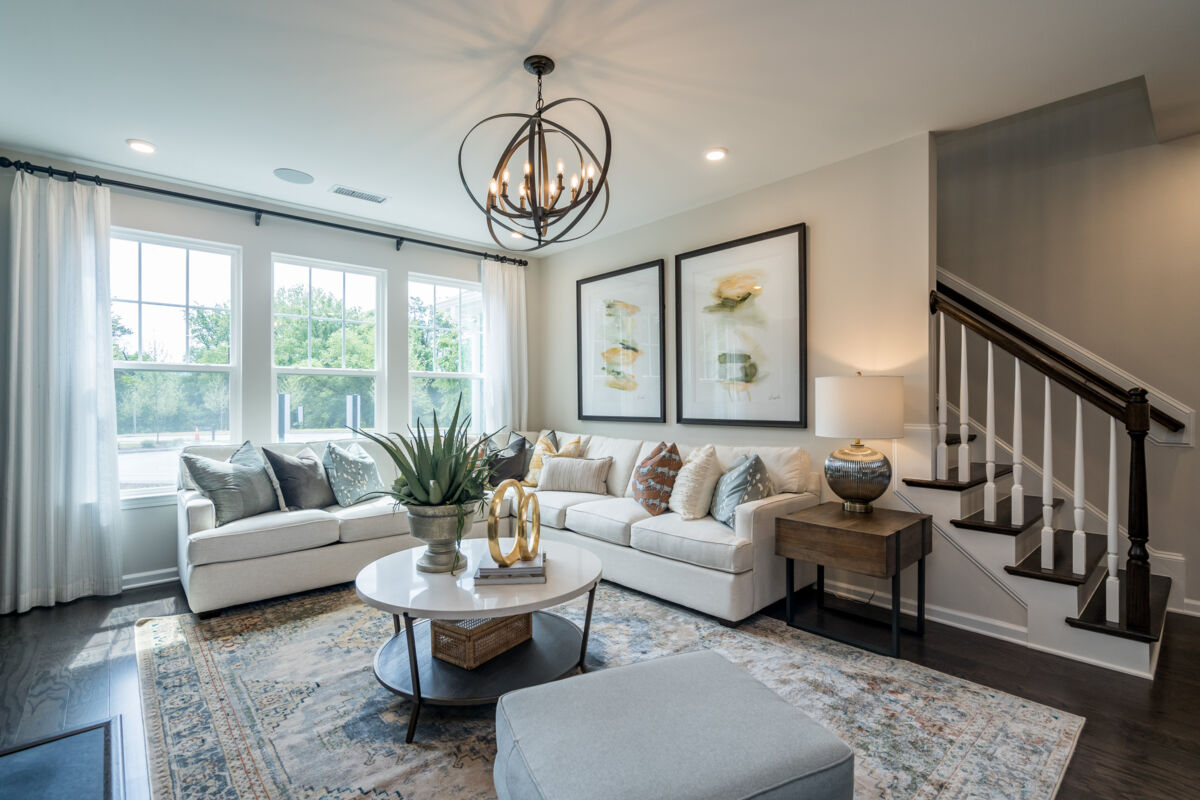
693, 492
561, 474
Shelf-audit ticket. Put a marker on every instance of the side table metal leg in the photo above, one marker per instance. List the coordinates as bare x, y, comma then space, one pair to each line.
820, 587
416, 678
587, 628
790, 590
921, 596
896, 614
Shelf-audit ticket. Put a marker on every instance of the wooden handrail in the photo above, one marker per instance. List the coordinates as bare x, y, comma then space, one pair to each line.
1090, 385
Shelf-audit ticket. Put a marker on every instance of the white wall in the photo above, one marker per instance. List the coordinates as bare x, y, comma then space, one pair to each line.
149, 532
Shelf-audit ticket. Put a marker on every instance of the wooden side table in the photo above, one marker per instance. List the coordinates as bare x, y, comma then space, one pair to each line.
881, 544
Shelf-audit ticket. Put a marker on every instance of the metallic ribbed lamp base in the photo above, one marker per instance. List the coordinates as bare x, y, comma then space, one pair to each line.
859, 475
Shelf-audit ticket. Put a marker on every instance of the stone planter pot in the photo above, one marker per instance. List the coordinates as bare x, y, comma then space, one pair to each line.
437, 527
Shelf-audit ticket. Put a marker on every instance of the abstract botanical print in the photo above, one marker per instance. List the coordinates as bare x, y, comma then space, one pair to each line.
736, 322
620, 347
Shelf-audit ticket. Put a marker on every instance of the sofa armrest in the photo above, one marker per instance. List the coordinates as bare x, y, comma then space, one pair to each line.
196, 513
756, 521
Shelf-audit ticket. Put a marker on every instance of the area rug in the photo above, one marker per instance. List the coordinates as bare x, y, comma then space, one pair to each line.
278, 700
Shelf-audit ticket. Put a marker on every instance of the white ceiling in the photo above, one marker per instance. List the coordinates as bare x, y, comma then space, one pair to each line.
377, 95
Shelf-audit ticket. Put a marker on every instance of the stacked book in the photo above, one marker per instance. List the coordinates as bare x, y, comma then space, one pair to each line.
492, 574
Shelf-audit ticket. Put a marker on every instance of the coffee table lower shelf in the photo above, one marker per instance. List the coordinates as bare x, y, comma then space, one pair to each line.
557, 649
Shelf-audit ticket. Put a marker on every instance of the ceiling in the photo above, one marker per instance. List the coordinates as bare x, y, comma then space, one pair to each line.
377, 95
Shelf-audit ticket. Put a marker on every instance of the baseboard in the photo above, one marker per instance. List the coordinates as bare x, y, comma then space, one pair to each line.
137, 580
1094, 662
997, 629
1189, 607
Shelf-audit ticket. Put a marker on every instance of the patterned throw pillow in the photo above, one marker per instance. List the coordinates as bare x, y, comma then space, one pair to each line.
654, 478
548, 445
352, 473
745, 481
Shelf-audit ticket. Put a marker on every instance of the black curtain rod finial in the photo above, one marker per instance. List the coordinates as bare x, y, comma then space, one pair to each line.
399, 243
257, 218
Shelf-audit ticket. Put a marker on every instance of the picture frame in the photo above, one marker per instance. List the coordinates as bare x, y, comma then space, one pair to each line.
620, 335
741, 319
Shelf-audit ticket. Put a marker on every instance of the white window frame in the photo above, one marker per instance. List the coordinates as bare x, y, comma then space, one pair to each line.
378, 373
132, 499
437, 280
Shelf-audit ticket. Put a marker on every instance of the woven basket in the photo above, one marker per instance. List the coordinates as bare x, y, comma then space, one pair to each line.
470, 642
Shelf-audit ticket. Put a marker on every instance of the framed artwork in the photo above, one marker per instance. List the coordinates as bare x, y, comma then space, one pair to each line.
620, 330
740, 331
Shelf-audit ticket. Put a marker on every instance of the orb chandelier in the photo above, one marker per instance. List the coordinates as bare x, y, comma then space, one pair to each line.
541, 206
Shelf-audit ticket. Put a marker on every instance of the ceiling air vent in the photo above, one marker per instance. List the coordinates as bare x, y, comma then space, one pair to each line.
346, 191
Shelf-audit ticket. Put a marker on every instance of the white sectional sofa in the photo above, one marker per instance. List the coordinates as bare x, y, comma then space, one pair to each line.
702, 564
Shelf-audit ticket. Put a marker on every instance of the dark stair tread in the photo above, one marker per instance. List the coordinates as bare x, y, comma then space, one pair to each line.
954, 440
977, 477
1092, 616
1003, 523
1031, 565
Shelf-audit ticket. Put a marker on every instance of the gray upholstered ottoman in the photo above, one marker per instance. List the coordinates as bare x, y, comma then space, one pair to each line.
686, 726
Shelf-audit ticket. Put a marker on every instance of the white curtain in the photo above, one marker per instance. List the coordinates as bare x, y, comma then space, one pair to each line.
58, 476
505, 349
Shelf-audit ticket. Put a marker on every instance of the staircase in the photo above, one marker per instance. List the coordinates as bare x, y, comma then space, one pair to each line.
1084, 598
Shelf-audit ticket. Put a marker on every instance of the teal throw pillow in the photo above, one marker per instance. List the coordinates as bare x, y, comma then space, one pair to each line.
352, 473
745, 481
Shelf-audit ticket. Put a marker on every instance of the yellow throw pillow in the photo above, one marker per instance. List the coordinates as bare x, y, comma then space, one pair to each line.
545, 447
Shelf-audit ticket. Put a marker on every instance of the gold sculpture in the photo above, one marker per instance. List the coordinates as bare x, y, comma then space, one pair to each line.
526, 548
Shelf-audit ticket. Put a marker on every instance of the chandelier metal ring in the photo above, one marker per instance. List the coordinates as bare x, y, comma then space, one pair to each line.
539, 213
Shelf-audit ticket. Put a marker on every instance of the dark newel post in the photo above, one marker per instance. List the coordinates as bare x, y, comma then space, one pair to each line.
1137, 567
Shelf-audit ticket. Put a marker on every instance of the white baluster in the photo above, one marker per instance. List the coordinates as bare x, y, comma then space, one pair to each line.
964, 428
1079, 538
1047, 488
1018, 454
1112, 584
989, 488
943, 465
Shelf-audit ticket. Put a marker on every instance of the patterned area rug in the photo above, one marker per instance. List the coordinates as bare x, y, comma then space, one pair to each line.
278, 700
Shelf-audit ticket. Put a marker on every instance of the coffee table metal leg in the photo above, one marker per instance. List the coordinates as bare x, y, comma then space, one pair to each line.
396, 624
587, 627
416, 678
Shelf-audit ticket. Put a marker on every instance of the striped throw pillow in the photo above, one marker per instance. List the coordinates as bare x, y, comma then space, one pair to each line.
654, 478
549, 445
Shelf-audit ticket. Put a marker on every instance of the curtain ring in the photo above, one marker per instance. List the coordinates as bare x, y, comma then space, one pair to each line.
74, 176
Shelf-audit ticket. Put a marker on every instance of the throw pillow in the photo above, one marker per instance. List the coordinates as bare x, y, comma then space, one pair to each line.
301, 479
654, 478
508, 462
352, 473
548, 445
693, 490
238, 488
588, 475
746, 480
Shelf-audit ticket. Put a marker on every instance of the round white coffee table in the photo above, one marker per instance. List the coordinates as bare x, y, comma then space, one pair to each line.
405, 663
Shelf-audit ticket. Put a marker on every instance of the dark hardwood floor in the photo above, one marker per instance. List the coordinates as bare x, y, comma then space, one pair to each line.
70, 665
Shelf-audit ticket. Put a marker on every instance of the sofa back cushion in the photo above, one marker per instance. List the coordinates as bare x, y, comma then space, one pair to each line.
352, 473
238, 488
654, 478
624, 455
588, 475
301, 478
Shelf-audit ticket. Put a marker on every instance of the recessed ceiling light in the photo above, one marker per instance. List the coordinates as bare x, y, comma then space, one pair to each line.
716, 153
293, 175
140, 146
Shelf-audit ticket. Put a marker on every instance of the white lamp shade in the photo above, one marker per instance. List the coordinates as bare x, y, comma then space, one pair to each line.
860, 407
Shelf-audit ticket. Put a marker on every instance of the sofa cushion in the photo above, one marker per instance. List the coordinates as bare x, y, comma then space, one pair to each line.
266, 534
554, 506
624, 455
301, 478
240, 487
703, 542
352, 473
692, 725
575, 475
654, 478
747, 480
370, 519
607, 519
789, 467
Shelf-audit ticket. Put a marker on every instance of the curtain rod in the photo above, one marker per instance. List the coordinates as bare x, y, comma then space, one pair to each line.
258, 213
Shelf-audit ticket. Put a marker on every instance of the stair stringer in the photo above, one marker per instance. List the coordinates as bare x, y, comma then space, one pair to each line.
1047, 604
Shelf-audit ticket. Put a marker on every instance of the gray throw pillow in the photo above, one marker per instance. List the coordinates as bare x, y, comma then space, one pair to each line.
238, 488
745, 481
352, 473
301, 478
508, 462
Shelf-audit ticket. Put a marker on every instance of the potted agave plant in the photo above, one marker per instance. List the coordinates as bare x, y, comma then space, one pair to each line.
443, 477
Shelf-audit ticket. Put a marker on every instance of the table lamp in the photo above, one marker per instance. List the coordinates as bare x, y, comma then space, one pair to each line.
859, 408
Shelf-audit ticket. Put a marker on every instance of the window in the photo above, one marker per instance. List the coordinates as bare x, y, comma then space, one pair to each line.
174, 352
445, 336
328, 350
